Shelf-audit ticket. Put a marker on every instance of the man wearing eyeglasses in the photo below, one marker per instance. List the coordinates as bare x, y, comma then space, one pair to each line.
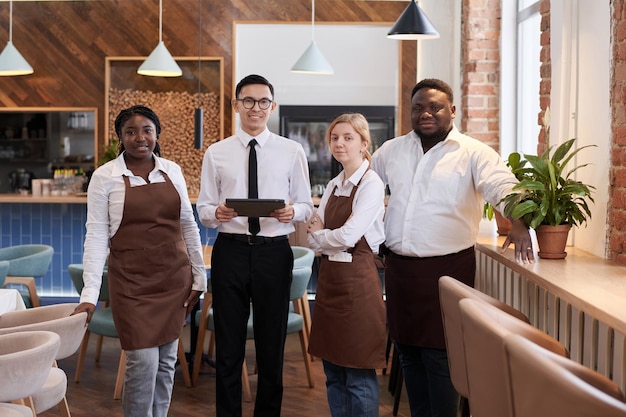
438, 178
252, 260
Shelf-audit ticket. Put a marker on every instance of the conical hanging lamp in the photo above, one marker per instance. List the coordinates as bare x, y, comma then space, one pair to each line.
413, 24
11, 61
198, 114
312, 61
160, 62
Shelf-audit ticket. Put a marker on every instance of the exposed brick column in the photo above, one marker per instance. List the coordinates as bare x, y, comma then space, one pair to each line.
616, 216
481, 70
545, 85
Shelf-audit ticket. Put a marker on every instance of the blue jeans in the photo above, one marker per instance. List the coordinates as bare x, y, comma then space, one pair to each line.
149, 380
351, 392
428, 384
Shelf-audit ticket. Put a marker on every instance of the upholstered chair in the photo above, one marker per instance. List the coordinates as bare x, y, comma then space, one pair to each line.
27, 262
25, 362
70, 328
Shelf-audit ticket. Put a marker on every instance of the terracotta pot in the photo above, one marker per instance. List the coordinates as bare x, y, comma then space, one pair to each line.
504, 224
552, 241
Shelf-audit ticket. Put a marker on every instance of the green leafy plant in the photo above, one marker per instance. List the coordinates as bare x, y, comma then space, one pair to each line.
547, 194
517, 166
110, 152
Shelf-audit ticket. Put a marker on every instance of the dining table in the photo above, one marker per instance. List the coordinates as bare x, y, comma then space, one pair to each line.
10, 300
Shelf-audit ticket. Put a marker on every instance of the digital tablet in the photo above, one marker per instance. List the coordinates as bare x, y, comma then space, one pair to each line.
254, 207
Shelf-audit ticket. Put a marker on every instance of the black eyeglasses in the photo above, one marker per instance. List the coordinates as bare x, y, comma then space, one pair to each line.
249, 102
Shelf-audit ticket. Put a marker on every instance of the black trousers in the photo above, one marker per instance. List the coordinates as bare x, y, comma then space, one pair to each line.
242, 274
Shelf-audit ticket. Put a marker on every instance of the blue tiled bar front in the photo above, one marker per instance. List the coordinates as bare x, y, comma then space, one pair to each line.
60, 223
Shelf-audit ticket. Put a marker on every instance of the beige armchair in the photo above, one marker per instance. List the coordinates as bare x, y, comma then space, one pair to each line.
451, 291
25, 362
484, 328
544, 384
70, 329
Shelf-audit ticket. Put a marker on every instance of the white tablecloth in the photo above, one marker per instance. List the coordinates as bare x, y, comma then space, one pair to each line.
10, 300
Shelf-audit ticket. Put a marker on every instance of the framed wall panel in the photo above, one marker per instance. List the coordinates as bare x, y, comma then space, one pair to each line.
174, 99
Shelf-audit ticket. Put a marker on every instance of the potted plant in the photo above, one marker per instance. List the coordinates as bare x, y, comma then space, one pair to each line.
548, 199
516, 165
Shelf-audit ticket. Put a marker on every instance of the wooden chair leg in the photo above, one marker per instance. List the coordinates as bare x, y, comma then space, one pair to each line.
304, 344
28, 402
119, 381
183, 363
202, 329
245, 383
64, 408
28, 282
99, 348
81, 356
301, 306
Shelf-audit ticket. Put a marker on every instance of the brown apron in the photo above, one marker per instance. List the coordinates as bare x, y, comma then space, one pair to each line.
412, 287
149, 270
349, 326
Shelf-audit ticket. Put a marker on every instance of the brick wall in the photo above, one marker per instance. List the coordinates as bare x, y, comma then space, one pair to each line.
545, 85
481, 70
616, 217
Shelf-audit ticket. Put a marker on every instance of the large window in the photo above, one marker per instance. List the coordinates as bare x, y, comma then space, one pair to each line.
521, 49
528, 76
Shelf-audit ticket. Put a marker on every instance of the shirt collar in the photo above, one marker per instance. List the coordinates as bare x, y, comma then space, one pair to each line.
453, 135
120, 168
358, 174
261, 138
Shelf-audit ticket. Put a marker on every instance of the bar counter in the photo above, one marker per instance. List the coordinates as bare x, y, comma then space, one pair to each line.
58, 221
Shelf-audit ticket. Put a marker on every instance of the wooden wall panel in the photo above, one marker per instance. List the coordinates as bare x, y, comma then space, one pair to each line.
67, 42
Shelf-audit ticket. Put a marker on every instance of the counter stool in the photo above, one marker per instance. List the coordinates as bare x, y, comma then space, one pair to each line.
27, 262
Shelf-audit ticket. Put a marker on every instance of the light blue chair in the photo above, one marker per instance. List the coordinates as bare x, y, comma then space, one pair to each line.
302, 256
4, 270
27, 262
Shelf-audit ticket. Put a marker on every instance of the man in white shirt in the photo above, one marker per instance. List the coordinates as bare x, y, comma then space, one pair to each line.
252, 264
438, 179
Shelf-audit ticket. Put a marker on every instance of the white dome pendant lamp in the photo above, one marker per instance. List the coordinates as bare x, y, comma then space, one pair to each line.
11, 61
160, 62
312, 61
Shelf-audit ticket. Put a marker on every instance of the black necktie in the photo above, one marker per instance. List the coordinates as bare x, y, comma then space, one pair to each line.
253, 187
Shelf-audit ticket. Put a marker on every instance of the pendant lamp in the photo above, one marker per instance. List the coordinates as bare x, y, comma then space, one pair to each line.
11, 61
413, 24
312, 61
198, 114
160, 62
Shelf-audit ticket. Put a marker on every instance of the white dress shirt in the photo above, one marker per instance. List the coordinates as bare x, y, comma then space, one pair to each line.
105, 208
368, 209
282, 173
436, 198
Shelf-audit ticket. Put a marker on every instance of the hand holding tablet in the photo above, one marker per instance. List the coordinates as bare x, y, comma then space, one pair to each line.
254, 207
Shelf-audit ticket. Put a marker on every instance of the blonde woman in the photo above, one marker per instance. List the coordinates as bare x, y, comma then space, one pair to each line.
349, 331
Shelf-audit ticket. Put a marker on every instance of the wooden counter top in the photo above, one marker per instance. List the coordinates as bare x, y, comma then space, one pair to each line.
47, 199
593, 284
72, 199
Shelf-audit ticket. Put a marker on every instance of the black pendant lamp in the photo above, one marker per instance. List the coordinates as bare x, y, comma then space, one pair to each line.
413, 24
198, 114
